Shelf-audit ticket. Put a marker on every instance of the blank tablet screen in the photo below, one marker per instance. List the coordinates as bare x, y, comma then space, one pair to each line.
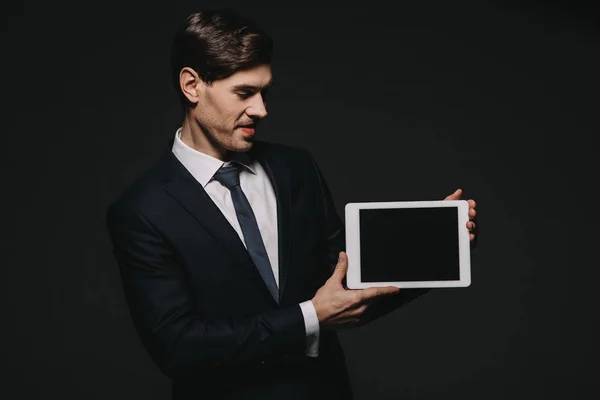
409, 244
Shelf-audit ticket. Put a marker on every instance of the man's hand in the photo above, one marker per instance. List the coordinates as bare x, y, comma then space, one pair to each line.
338, 307
472, 213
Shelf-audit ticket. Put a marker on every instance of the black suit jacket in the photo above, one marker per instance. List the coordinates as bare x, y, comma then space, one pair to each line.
198, 303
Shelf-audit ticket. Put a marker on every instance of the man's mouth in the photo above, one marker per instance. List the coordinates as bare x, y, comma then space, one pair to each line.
248, 129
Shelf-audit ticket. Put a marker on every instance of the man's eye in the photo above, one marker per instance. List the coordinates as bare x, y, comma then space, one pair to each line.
244, 95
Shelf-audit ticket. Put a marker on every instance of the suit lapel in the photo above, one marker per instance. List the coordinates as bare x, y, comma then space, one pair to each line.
182, 186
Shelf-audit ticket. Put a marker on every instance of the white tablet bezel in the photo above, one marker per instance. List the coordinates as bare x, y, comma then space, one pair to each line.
353, 244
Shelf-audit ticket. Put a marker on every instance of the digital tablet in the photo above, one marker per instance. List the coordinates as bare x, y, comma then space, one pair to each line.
408, 244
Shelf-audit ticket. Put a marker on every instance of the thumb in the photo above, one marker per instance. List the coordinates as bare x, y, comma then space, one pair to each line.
340, 268
455, 196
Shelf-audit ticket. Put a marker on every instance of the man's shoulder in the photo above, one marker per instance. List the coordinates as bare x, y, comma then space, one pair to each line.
146, 192
143, 192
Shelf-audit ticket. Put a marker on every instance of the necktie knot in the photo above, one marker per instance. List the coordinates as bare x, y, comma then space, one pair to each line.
229, 176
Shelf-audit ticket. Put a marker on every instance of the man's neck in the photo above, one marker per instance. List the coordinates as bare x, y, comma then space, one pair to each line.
193, 136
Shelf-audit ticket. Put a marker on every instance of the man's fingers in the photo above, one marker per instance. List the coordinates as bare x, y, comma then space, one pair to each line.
454, 196
472, 203
340, 268
374, 292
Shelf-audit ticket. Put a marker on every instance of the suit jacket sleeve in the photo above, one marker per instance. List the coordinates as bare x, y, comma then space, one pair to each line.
336, 242
179, 340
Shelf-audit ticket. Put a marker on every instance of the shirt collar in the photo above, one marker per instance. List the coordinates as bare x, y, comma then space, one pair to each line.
202, 166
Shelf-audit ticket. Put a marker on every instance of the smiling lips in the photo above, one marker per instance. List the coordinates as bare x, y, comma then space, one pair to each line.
248, 129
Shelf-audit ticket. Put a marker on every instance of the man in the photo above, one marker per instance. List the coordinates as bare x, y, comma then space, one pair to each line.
230, 249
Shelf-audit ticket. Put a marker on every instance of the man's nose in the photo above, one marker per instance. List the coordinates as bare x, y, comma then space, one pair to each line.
258, 107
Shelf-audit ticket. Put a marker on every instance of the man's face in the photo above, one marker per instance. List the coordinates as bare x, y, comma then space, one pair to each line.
229, 109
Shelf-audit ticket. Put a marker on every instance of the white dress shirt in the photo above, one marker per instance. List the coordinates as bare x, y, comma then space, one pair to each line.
258, 189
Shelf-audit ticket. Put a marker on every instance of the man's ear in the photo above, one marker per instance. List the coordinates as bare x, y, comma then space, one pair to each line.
190, 84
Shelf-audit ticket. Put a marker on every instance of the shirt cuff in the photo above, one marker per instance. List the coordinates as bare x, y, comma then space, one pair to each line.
311, 326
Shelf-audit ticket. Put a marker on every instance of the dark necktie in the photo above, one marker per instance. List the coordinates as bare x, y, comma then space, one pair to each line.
229, 176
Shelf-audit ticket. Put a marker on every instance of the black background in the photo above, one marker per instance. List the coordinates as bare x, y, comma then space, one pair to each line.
396, 101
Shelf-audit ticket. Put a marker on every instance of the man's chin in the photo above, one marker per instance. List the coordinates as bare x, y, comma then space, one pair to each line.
244, 145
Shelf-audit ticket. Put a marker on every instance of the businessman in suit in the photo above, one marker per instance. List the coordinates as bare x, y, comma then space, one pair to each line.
229, 248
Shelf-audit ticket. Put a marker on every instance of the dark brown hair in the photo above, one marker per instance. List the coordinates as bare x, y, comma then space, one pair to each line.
217, 44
